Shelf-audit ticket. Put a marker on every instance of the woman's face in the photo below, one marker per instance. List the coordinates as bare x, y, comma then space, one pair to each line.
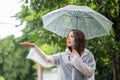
71, 40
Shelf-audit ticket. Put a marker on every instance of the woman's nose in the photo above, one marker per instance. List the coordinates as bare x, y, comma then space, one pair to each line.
68, 38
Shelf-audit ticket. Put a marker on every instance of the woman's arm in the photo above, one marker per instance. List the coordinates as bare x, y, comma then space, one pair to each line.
48, 60
37, 55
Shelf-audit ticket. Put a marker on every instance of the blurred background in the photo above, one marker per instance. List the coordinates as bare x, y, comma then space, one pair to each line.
20, 20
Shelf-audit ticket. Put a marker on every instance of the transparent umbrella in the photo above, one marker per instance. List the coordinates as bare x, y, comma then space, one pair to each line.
62, 20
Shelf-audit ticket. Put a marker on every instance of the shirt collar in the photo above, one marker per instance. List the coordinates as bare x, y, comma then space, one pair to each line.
68, 51
85, 52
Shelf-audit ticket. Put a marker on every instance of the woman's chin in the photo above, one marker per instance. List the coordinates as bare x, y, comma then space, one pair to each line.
68, 45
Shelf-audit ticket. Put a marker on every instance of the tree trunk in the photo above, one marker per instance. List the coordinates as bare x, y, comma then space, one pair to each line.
116, 27
115, 68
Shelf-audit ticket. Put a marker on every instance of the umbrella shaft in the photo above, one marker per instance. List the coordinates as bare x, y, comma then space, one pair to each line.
76, 22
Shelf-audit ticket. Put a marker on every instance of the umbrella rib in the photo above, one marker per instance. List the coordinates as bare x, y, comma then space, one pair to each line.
52, 21
76, 14
65, 29
69, 13
67, 26
76, 19
85, 25
55, 25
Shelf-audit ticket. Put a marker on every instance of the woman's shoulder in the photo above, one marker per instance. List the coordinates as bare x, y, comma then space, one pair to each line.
87, 53
88, 57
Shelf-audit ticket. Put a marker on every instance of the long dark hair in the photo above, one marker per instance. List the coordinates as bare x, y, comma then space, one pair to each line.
79, 41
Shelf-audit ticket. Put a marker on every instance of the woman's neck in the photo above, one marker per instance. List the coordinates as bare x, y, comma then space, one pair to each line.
73, 48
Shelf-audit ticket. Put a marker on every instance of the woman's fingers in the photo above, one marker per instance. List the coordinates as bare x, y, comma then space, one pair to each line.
27, 44
74, 52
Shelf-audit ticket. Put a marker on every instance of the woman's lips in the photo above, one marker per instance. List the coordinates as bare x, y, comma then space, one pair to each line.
68, 42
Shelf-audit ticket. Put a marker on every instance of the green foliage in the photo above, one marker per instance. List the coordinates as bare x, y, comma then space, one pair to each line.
103, 49
13, 64
2, 78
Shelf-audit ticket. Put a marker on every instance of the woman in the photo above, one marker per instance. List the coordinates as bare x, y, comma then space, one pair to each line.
75, 63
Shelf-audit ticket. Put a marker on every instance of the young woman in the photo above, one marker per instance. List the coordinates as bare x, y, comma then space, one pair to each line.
75, 63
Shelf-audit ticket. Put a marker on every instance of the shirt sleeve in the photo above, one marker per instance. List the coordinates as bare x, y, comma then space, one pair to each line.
86, 68
57, 58
37, 55
40, 57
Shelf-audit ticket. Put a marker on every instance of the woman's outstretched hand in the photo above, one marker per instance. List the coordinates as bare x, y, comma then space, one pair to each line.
27, 44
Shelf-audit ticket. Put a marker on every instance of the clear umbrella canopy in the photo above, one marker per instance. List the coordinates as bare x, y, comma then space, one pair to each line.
62, 20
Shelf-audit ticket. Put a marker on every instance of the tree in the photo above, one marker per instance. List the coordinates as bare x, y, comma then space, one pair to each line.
13, 65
